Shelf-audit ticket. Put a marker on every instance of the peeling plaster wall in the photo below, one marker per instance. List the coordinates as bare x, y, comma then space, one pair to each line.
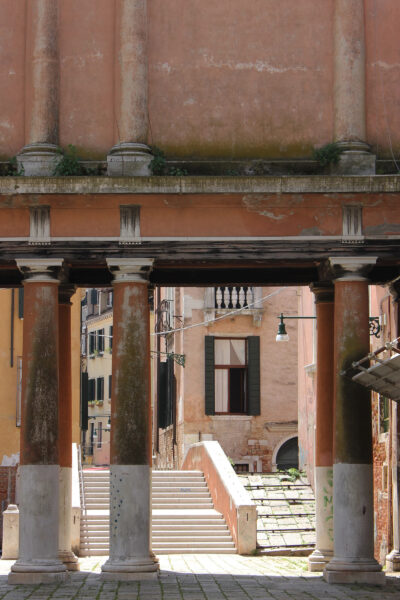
226, 79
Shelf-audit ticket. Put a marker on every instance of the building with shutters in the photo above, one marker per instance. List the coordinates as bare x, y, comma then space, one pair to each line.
96, 377
222, 376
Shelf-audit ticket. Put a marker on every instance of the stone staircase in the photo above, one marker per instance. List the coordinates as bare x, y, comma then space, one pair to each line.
286, 513
183, 516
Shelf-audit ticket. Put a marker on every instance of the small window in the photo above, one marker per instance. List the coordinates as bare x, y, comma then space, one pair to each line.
92, 342
110, 339
109, 386
21, 303
91, 390
241, 468
100, 388
100, 340
99, 434
383, 414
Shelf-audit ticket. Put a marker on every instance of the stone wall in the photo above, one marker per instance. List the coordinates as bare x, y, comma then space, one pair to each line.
382, 486
7, 491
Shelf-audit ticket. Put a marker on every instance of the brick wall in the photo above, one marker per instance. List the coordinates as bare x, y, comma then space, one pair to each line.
382, 484
7, 491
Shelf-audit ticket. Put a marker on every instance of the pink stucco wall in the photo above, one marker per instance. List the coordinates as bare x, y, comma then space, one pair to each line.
226, 78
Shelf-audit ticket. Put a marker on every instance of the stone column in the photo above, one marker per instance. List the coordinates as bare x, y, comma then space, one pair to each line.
39, 471
130, 468
324, 429
39, 155
65, 428
353, 560
349, 89
393, 558
131, 155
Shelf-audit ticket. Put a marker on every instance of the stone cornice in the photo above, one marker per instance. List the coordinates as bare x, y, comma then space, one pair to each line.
201, 185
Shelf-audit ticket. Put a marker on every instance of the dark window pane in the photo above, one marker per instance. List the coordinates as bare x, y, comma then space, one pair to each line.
237, 390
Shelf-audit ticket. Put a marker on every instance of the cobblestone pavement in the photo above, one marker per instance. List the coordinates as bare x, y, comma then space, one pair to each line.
204, 577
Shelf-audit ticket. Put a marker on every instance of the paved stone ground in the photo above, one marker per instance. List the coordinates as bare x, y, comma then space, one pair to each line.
286, 512
204, 577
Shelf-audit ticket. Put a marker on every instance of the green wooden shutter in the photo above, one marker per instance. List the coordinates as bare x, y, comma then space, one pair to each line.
21, 303
84, 401
253, 369
209, 391
162, 395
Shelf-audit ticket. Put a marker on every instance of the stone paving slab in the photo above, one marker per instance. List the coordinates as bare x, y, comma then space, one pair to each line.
204, 577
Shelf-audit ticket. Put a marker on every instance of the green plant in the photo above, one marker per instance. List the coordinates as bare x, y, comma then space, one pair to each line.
11, 168
69, 165
159, 166
291, 474
159, 163
328, 154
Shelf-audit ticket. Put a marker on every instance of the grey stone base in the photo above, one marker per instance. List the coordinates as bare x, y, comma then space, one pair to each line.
317, 561
366, 577
36, 577
38, 160
129, 160
393, 561
355, 163
69, 560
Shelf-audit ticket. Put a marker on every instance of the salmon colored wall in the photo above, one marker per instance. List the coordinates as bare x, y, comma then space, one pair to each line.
226, 79
204, 215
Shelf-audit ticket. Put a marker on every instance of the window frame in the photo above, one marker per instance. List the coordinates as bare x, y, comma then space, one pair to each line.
243, 368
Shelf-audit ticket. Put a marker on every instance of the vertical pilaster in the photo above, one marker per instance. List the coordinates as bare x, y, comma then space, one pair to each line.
131, 155
39, 471
130, 468
353, 560
324, 429
39, 155
65, 428
349, 88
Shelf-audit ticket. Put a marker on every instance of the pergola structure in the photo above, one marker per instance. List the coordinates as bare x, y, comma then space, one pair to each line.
339, 233
60, 233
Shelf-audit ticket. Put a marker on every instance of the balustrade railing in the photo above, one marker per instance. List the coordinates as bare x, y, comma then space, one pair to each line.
233, 297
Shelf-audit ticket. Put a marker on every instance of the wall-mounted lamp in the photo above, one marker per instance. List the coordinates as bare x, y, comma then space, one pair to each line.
374, 327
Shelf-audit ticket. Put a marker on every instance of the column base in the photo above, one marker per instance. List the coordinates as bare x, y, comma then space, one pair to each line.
38, 160
367, 571
69, 560
39, 571
356, 159
128, 160
318, 560
393, 561
130, 569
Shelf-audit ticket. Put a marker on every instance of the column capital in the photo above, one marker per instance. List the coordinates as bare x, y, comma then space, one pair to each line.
65, 292
37, 270
323, 291
130, 270
351, 268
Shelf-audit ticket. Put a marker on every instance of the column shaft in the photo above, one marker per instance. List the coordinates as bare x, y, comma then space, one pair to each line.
131, 155
38, 157
324, 430
65, 433
39, 471
130, 483
353, 560
349, 88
